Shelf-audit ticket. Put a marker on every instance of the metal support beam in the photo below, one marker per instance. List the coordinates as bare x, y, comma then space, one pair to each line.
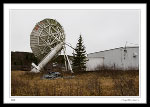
65, 60
68, 60
47, 58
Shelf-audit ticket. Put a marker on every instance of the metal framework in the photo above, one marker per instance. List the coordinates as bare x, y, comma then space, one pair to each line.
47, 39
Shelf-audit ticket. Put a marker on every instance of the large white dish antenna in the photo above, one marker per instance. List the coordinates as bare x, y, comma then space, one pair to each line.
47, 39
45, 36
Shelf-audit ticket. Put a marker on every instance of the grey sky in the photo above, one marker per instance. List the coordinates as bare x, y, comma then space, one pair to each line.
100, 29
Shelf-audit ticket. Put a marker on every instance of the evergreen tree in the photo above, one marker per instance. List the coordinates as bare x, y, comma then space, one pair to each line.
79, 56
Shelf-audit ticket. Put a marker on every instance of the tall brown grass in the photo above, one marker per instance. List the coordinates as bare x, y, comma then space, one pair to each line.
100, 83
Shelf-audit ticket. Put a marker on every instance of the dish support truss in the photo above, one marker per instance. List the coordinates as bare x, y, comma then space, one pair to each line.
49, 56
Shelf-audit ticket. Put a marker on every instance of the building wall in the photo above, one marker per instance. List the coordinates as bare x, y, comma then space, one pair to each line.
94, 63
119, 58
128, 59
112, 59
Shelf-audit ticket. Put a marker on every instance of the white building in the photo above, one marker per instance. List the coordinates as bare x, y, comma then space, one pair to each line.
119, 58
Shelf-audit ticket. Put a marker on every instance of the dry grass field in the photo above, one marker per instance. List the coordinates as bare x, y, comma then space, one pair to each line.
100, 83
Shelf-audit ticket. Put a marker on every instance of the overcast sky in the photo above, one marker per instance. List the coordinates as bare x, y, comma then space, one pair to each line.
100, 29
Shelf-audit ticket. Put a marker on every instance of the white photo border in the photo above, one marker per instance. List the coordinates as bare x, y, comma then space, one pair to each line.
75, 99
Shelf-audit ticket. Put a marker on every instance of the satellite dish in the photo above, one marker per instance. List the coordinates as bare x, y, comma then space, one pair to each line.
47, 39
45, 36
